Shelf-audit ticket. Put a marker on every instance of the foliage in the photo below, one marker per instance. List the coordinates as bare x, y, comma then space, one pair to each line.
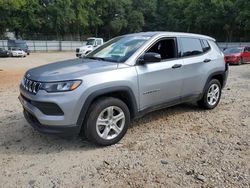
226, 20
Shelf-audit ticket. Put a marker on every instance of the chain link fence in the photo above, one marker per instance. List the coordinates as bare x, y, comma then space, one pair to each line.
47, 46
53, 45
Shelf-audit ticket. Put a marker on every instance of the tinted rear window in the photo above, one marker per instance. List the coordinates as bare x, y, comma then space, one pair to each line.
191, 46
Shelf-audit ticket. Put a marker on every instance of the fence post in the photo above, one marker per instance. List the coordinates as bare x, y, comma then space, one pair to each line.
60, 45
34, 46
46, 42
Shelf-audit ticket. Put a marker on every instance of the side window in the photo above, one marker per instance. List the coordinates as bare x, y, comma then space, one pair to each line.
165, 47
205, 45
191, 46
98, 42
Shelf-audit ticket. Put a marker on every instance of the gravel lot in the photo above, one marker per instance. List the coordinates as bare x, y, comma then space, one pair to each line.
182, 146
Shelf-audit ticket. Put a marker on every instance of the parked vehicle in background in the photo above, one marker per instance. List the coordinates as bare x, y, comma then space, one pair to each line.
237, 55
125, 78
4, 53
17, 52
20, 44
92, 43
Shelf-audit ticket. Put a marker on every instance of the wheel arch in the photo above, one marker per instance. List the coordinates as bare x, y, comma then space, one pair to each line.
123, 93
220, 76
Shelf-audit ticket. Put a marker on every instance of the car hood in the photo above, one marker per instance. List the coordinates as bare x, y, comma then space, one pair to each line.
68, 70
16, 51
86, 47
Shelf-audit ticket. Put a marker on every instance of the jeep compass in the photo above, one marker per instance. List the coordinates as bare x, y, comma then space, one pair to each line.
127, 77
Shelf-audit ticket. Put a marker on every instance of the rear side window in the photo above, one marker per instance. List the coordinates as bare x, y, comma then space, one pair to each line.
191, 46
99, 42
205, 45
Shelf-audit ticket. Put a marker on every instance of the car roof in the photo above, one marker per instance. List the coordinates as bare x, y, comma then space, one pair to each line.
171, 34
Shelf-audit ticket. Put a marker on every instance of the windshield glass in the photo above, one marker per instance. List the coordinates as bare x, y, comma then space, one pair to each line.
233, 50
22, 45
90, 42
118, 49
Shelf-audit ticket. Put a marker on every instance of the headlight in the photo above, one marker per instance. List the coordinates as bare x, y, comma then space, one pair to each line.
61, 86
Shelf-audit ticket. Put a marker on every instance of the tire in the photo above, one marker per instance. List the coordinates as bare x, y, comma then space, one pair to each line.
240, 61
110, 128
210, 102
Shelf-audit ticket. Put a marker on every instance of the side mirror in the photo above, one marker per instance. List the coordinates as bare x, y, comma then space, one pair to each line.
150, 57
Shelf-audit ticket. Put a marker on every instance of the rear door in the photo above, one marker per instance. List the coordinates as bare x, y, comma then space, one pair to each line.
196, 61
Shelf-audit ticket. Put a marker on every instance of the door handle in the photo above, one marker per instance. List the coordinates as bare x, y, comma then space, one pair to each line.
176, 66
207, 60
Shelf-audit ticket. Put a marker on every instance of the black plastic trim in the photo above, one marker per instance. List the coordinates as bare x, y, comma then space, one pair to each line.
47, 108
224, 75
173, 102
105, 91
64, 131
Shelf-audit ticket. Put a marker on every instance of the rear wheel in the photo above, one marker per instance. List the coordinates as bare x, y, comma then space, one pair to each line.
108, 120
211, 96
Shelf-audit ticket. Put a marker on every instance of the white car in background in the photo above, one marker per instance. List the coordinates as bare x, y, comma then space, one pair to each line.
16, 52
92, 43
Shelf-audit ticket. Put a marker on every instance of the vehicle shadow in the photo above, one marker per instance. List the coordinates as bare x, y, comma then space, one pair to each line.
166, 112
17, 136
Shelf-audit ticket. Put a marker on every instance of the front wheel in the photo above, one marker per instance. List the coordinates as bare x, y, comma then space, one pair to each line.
211, 96
108, 120
240, 61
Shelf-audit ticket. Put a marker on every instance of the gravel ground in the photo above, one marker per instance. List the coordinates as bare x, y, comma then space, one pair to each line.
182, 146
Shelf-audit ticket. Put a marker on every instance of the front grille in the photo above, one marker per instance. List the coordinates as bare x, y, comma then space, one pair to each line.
31, 86
77, 50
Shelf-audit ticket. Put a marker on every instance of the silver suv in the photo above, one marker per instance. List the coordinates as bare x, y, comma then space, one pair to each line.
125, 78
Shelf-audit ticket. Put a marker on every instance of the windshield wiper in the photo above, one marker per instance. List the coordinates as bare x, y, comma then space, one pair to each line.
102, 59
97, 58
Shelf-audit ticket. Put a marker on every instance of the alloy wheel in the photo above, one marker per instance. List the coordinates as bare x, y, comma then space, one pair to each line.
213, 94
110, 122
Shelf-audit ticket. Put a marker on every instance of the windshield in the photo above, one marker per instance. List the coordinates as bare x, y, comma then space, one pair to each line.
233, 50
90, 42
118, 49
22, 45
17, 43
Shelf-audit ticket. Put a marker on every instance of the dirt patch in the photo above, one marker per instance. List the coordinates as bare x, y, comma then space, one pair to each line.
182, 146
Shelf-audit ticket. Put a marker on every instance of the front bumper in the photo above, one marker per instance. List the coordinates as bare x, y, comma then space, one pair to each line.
80, 54
65, 131
232, 60
47, 119
17, 55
